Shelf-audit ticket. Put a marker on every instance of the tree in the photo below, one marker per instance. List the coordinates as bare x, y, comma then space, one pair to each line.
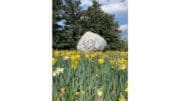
77, 21
124, 45
102, 23
65, 36
59, 35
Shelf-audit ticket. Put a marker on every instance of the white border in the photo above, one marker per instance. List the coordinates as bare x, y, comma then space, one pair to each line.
25, 41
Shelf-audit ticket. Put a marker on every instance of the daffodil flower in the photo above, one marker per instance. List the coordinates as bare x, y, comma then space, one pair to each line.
100, 92
126, 89
56, 53
54, 73
62, 90
54, 60
123, 66
121, 98
66, 57
101, 61
58, 71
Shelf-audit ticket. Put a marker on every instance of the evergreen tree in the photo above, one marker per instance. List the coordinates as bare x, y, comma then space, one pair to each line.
58, 32
72, 15
78, 21
102, 23
66, 36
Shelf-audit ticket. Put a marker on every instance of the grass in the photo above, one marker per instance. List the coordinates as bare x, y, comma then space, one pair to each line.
95, 76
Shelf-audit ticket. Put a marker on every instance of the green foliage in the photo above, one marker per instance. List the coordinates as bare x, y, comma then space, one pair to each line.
77, 21
124, 45
89, 77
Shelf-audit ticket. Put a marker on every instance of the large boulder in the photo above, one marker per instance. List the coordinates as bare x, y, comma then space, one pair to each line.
91, 42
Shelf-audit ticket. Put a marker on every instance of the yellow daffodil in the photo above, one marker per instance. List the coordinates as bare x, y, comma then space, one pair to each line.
123, 54
62, 90
113, 61
90, 56
121, 98
126, 89
123, 61
74, 65
74, 61
56, 53
87, 55
101, 61
54, 60
75, 57
122, 66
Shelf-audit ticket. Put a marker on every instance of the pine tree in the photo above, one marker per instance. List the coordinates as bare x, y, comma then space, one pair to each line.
66, 36
78, 21
102, 23
58, 30
72, 15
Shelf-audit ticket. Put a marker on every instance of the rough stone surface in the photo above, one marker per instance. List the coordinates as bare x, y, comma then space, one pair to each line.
91, 42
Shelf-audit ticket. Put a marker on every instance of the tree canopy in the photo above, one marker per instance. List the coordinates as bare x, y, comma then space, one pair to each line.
75, 21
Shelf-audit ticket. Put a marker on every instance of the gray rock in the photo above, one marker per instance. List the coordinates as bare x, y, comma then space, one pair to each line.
91, 42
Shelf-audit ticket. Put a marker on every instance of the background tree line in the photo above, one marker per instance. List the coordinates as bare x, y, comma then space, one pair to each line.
76, 21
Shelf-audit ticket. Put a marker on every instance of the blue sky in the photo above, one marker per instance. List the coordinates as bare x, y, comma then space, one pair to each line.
119, 8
